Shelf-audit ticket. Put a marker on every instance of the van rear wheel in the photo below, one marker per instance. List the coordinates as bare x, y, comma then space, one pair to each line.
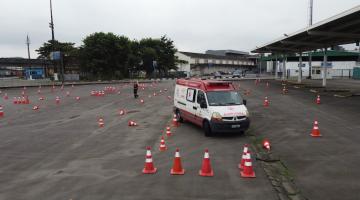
178, 116
207, 129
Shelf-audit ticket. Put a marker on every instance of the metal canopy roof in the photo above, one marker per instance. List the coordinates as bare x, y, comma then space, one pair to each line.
343, 28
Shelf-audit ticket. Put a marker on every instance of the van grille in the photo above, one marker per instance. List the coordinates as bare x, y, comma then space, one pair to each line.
236, 118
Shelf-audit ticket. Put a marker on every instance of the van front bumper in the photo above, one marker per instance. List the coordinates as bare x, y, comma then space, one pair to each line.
229, 126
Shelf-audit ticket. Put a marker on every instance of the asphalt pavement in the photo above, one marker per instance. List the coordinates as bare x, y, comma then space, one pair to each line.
325, 167
59, 151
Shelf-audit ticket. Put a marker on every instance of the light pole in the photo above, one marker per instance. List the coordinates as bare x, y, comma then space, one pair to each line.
51, 24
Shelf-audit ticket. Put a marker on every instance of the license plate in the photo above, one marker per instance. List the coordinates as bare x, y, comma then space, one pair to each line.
235, 126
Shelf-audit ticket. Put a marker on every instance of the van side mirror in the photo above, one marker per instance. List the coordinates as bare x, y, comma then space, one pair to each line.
244, 102
203, 104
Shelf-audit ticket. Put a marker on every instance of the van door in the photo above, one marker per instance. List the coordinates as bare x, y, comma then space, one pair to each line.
189, 113
200, 113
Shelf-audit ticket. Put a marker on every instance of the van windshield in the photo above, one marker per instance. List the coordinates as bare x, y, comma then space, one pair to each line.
224, 98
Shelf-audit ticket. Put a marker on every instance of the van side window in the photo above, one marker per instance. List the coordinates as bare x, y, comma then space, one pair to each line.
200, 97
190, 96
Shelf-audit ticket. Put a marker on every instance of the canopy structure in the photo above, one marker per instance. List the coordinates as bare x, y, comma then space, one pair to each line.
340, 29
343, 28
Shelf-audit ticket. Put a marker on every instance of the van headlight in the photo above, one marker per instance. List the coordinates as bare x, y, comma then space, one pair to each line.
247, 114
216, 116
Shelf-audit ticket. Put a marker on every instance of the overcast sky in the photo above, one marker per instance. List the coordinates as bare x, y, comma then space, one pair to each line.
194, 25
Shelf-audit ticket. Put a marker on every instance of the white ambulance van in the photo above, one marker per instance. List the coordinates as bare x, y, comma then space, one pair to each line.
215, 106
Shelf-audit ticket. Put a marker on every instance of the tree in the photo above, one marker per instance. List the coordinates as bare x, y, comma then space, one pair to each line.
160, 50
67, 48
105, 55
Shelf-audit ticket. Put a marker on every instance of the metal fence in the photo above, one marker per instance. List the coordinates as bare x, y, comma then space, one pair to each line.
342, 73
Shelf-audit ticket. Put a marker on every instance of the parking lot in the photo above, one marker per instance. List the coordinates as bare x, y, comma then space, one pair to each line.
59, 151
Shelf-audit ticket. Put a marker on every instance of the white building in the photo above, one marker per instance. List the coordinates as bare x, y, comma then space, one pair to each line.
225, 61
340, 64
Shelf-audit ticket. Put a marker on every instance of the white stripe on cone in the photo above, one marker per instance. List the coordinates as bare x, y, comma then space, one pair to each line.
177, 154
206, 155
248, 164
148, 153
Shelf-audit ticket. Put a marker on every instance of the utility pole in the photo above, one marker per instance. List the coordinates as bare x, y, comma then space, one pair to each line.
310, 24
28, 73
311, 13
28, 45
51, 24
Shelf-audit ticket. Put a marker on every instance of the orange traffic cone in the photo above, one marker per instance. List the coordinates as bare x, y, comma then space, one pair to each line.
243, 157
27, 100
175, 122
121, 112
1, 111
101, 122
248, 171
206, 166
266, 144
132, 123
318, 99
149, 165
162, 144
57, 100
168, 131
284, 90
23, 100
177, 167
266, 102
315, 131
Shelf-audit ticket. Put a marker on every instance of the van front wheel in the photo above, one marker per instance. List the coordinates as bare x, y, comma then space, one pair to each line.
207, 129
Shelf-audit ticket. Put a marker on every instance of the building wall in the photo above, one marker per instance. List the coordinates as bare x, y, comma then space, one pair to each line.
338, 69
205, 66
184, 67
197, 70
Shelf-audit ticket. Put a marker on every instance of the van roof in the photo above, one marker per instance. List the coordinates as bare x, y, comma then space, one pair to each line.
206, 85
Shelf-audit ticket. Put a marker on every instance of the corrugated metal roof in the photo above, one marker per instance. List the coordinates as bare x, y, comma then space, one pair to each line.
337, 30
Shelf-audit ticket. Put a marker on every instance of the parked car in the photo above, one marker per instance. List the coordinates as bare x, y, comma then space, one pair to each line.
217, 75
238, 74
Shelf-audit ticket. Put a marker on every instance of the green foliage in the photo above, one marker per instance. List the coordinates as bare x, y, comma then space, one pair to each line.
105, 55
109, 56
160, 50
65, 47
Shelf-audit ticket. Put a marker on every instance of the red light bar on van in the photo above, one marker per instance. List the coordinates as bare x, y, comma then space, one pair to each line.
218, 83
219, 86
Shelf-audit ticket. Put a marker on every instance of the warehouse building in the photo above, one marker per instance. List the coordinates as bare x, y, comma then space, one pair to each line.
225, 61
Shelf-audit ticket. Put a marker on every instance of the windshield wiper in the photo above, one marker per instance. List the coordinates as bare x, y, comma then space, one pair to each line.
233, 103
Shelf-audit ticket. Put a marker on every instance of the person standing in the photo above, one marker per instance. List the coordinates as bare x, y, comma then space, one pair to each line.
136, 87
